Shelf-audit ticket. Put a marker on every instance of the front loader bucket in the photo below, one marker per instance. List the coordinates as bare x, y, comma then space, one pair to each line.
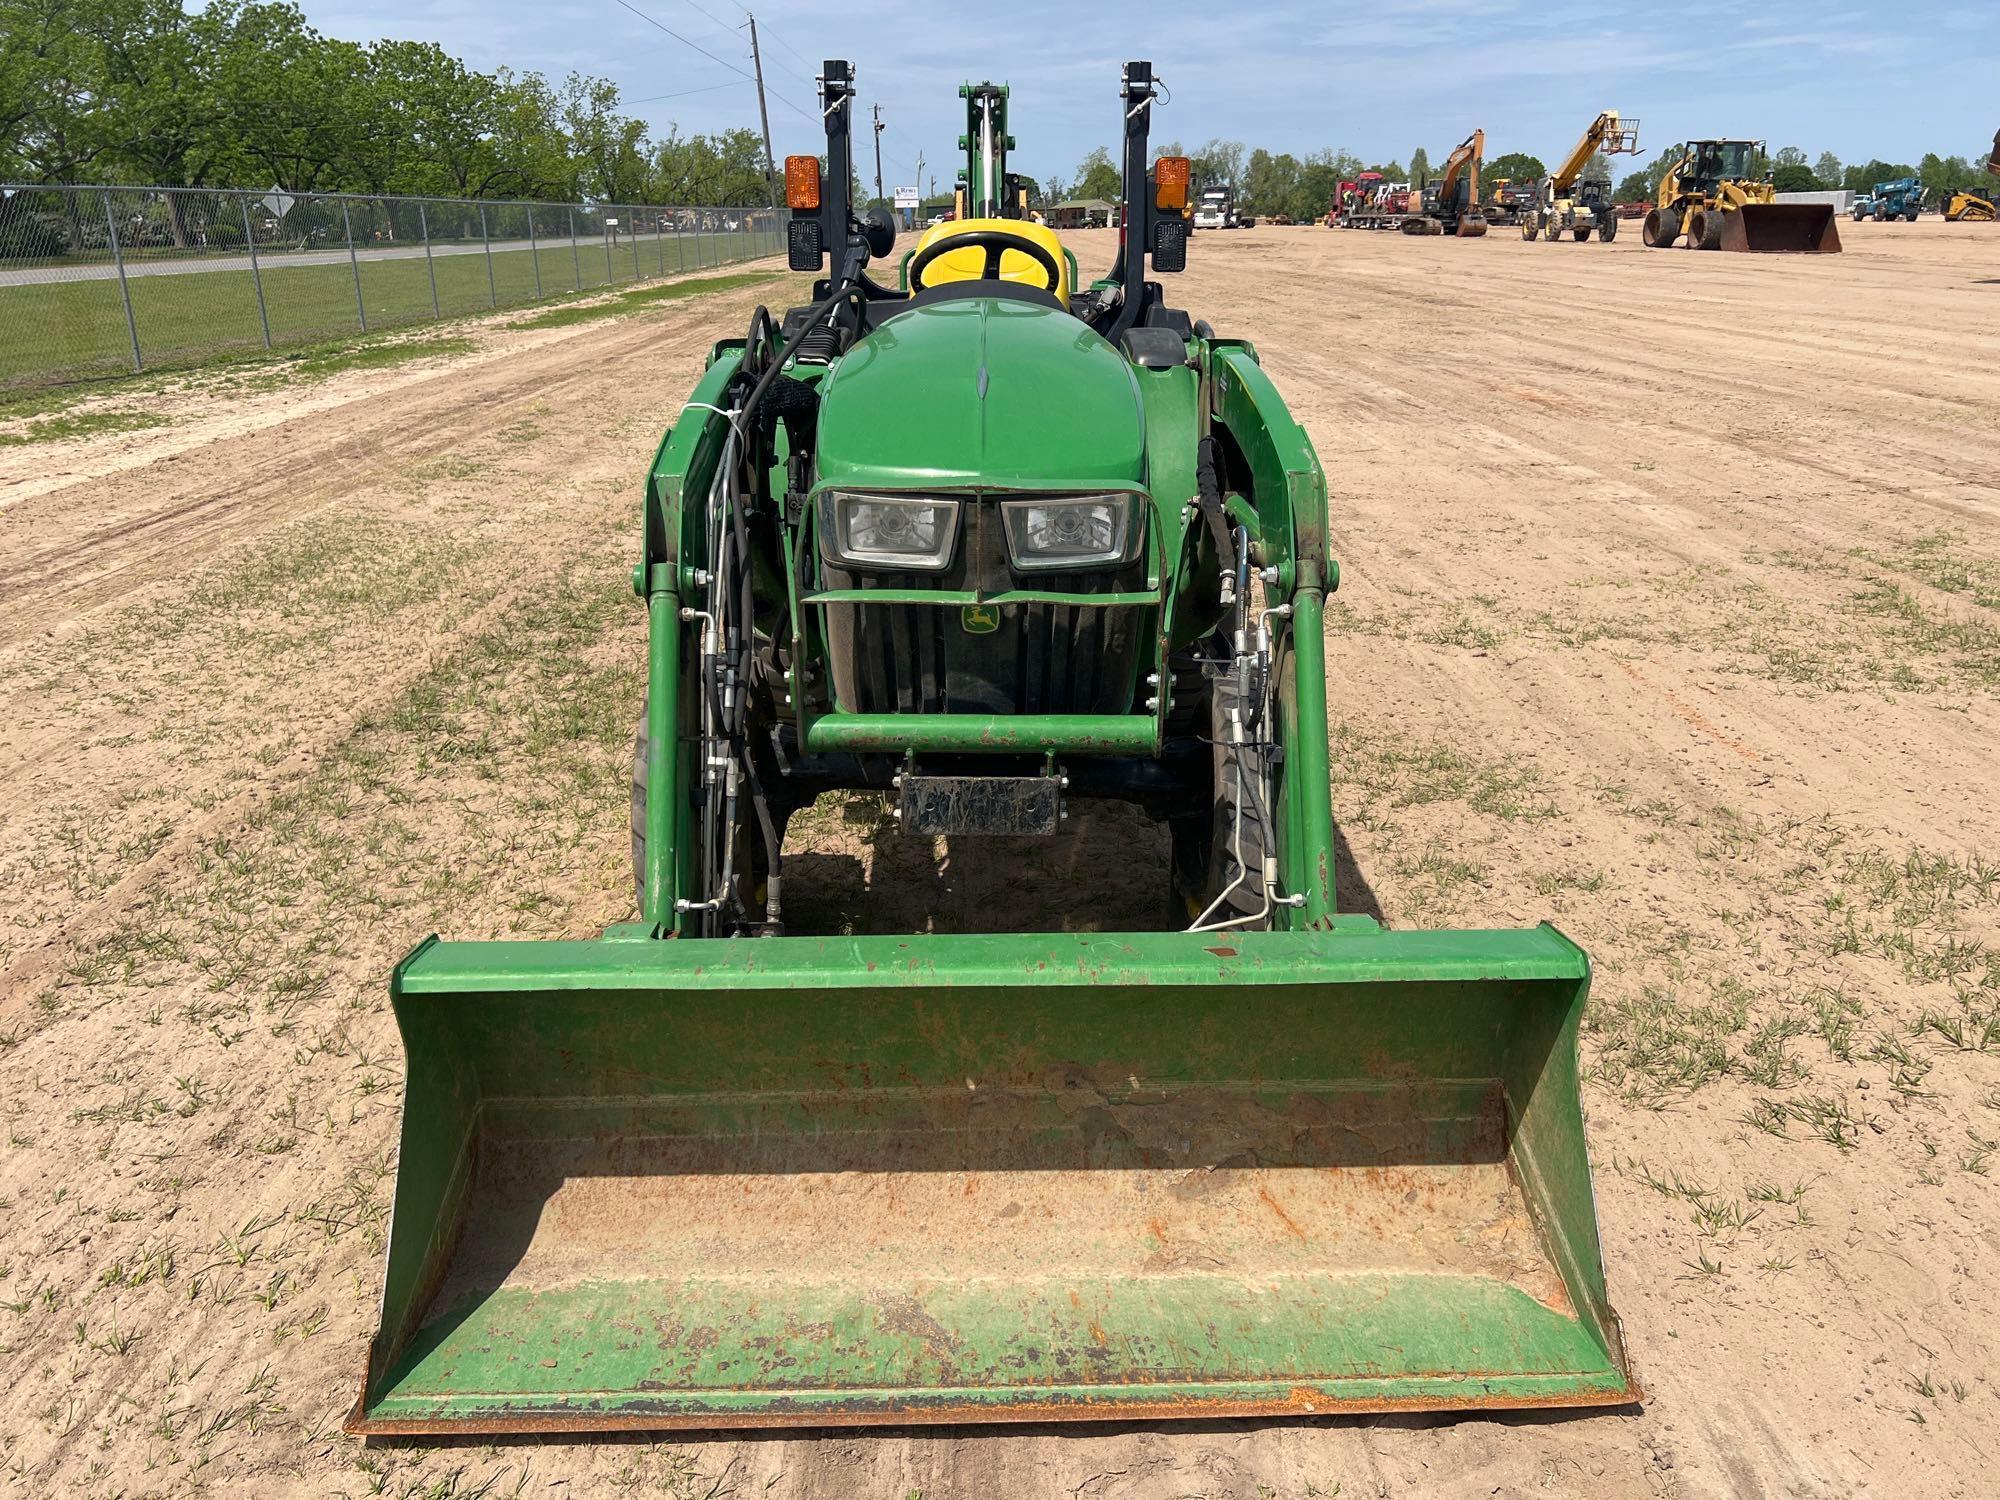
1782, 229
792, 1181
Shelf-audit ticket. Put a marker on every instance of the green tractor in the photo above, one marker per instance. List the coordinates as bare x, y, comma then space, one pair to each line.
987, 542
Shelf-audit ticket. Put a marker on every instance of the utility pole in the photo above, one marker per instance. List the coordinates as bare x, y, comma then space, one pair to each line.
763, 114
878, 154
917, 215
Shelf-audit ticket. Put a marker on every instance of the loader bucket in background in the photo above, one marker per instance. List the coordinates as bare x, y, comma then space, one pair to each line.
794, 1181
1781, 229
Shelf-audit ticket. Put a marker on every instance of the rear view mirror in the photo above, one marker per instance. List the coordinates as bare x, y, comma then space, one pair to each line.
878, 225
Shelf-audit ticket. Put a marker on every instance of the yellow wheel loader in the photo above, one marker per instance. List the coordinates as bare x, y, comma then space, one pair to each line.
1717, 197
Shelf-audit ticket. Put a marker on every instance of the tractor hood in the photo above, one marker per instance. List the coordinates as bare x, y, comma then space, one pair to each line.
985, 393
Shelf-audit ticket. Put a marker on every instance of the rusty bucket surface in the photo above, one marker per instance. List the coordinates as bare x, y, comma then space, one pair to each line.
1781, 229
712, 1184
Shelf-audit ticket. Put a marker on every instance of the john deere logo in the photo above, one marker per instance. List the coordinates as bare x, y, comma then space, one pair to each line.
980, 619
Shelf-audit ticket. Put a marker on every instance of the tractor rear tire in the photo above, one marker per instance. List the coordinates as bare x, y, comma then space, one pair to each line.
1661, 229
1529, 230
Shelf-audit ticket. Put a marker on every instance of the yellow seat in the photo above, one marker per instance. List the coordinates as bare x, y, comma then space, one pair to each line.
969, 264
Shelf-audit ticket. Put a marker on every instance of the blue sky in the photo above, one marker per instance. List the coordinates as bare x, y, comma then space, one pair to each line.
1861, 78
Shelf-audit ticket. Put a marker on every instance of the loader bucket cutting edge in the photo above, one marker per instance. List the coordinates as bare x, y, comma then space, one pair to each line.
657, 1184
1782, 229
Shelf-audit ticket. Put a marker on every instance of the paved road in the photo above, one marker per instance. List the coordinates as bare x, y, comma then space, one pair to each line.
196, 265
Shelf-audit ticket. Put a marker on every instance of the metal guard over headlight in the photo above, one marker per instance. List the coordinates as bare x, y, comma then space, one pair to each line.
1065, 533
906, 533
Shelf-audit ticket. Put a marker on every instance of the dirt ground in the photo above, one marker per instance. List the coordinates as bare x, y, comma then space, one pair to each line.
1670, 612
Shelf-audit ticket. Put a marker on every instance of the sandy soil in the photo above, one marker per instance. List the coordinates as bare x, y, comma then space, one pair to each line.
1671, 612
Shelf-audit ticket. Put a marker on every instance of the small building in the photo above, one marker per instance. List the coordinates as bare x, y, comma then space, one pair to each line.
1085, 213
1842, 200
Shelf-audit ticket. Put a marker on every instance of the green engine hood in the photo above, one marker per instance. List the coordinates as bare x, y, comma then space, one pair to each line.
982, 392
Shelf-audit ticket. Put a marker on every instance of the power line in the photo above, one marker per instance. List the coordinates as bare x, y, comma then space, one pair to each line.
734, 83
654, 21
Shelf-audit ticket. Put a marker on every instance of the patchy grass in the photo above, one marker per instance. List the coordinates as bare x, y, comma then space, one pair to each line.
79, 424
643, 297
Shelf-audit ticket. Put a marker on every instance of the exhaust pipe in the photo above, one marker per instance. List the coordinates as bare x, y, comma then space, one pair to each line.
1780, 229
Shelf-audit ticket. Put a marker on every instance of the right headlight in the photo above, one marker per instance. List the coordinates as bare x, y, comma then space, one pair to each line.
1070, 531
911, 533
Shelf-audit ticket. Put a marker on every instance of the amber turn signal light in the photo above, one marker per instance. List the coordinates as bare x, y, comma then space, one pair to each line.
801, 182
1170, 183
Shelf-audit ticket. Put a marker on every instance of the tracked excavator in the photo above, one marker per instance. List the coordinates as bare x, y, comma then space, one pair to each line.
1451, 204
982, 540
1572, 201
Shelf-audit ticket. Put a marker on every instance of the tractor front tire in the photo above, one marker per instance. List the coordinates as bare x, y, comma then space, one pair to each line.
1607, 228
1661, 229
1528, 230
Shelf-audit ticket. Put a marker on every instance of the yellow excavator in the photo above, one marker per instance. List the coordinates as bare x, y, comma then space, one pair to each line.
1718, 198
1451, 204
1574, 204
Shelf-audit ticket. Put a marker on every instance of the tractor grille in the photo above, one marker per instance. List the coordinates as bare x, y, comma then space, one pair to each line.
1038, 658
1042, 658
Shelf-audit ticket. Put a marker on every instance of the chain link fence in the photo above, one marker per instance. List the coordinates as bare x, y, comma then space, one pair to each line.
99, 281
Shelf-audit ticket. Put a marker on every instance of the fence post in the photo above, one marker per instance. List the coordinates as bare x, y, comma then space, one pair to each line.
492, 296
632, 214
124, 290
347, 224
256, 272
534, 252
430, 266
660, 240
610, 276
575, 254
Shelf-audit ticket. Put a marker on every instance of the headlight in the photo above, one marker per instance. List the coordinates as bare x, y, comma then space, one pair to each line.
1087, 531
888, 531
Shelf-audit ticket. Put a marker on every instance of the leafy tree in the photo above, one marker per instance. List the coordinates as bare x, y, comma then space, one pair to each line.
1515, 166
1634, 188
1789, 156
1420, 166
1793, 177
1097, 177
1862, 179
1219, 163
1828, 170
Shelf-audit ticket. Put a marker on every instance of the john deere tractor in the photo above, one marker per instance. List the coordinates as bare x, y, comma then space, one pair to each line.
987, 540
1719, 197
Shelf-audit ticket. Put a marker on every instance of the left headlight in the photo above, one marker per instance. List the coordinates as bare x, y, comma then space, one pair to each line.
1077, 531
913, 533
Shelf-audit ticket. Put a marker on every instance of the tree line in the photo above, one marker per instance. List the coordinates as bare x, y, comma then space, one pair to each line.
244, 93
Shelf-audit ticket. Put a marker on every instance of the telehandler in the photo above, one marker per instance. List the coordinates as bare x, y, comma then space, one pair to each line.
987, 540
1570, 200
1715, 196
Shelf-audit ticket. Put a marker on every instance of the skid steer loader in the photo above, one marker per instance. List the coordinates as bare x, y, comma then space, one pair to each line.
987, 540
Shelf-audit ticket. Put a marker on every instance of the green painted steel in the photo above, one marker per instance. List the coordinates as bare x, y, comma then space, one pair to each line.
705, 1183
1071, 734
982, 393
